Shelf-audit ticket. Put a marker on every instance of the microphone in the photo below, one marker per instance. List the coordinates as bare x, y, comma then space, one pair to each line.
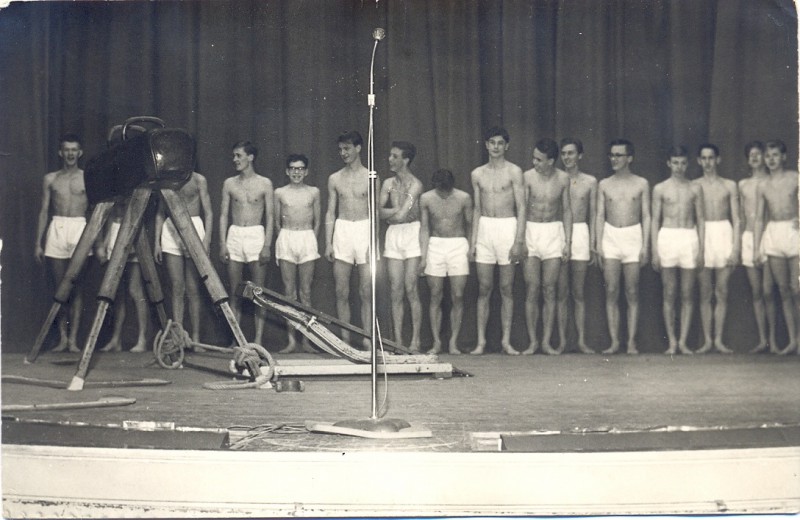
378, 34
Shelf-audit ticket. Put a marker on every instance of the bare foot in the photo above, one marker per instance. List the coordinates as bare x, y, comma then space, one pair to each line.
673, 348
63, 344
685, 350
478, 350
508, 349
583, 347
761, 347
414, 346
788, 349
305, 346
436, 348
453, 349
722, 348
141, 346
532, 348
705, 348
632, 348
112, 346
366, 343
288, 349
550, 351
73, 347
613, 348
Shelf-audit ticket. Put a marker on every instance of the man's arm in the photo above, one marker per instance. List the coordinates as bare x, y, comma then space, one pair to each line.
518, 249
600, 219
383, 197
159, 224
269, 224
476, 215
566, 218
645, 223
412, 197
330, 217
41, 223
424, 234
591, 217
223, 222
655, 258
208, 211
758, 224
316, 207
278, 211
737, 225
700, 214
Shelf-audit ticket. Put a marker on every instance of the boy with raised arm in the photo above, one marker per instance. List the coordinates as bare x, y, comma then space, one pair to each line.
759, 276
572, 279
297, 213
722, 246
401, 247
63, 198
678, 218
623, 232
170, 249
347, 230
445, 217
498, 233
548, 237
779, 238
247, 199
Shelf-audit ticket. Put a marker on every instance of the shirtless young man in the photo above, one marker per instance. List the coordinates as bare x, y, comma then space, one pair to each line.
297, 214
169, 248
583, 199
63, 197
678, 218
548, 237
498, 233
779, 239
759, 276
722, 246
623, 233
401, 247
445, 217
132, 278
347, 230
247, 197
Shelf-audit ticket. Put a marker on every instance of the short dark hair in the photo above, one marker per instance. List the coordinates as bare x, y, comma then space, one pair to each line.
443, 179
351, 137
294, 157
622, 142
678, 151
776, 143
70, 138
708, 146
758, 145
496, 130
409, 151
571, 140
248, 147
548, 147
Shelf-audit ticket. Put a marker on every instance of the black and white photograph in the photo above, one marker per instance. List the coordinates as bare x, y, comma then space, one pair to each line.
399, 258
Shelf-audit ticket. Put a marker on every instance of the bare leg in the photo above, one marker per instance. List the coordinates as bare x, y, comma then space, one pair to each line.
670, 284
258, 272
722, 277
507, 306
58, 267
550, 272
289, 276
612, 270
412, 293
436, 286
794, 285
578, 270
177, 283
365, 291
115, 344
562, 306
485, 286
341, 278
234, 279
531, 270
769, 305
193, 298
782, 271
755, 279
140, 304
397, 293
306, 277
631, 274
688, 277
457, 284
706, 311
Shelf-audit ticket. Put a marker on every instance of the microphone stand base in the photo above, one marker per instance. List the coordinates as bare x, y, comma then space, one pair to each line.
371, 428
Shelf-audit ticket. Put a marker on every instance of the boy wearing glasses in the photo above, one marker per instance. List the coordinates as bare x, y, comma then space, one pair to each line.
623, 231
247, 199
297, 212
401, 247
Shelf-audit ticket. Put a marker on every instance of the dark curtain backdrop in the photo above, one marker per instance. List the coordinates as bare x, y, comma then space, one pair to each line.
292, 75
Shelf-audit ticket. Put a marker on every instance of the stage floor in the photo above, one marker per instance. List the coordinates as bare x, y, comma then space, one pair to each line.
502, 395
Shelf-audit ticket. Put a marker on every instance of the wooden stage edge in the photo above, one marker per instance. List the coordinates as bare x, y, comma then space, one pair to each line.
107, 482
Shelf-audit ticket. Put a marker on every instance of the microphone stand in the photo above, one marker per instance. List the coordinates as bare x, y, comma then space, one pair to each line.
374, 427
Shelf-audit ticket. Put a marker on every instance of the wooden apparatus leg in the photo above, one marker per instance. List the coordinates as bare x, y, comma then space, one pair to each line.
76, 263
183, 223
131, 223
